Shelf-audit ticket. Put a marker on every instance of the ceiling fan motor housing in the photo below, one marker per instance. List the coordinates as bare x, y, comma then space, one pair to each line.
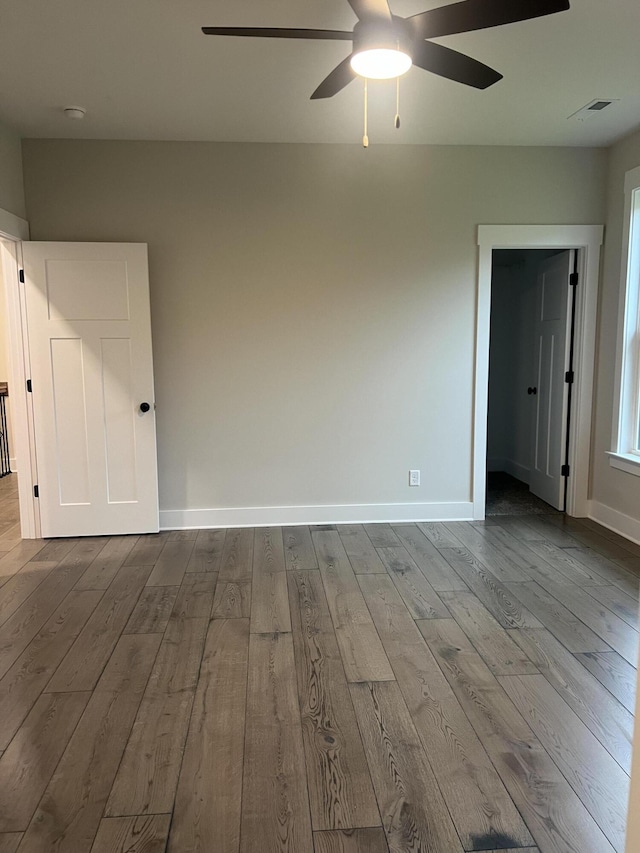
375, 35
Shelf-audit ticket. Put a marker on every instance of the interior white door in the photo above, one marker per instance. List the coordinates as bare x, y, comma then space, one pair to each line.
89, 330
552, 336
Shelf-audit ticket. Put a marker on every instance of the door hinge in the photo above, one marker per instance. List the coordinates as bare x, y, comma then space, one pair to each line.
573, 279
36, 492
564, 471
21, 276
29, 388
569, 376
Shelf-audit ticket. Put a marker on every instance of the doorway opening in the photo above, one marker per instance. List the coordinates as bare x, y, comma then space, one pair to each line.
13, 231
586, 241
530, 380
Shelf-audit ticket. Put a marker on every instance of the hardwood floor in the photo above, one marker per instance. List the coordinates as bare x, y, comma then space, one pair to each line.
359, 689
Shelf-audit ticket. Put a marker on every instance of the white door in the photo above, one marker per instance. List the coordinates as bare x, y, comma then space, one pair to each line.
91, 365
552, 337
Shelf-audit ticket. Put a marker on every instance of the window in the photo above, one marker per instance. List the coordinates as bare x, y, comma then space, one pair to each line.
626, 432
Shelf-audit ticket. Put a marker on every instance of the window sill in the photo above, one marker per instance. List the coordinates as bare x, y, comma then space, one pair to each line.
628, 462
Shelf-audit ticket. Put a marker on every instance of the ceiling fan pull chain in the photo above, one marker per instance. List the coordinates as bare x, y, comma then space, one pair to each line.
365, 138
397, 118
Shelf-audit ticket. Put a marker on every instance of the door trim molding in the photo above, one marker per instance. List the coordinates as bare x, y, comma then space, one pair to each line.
587, 239
13, 230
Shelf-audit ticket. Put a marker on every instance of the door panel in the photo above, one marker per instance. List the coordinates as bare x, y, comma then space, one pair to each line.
91, 367
552, 336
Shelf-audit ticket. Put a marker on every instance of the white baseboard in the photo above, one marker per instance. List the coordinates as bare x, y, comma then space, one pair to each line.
495, 463
520, 472
13, 464
276, 516
614, 520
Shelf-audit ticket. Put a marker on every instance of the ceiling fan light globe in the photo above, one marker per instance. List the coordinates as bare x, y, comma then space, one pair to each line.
381, 63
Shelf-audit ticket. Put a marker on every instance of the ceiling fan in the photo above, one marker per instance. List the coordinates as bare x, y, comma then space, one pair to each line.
386, 46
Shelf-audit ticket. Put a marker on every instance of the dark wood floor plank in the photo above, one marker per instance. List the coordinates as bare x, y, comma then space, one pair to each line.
30, 759
270, 600
593, 774
609, 721
614, 537
232, 600
616, 633
18, 588
554, 814
362, 555
623, 605
598, 564
381, 535
428, 559
275, 803
10, 841
484, 550
237, 556
84, 662
438, 534
207, 552
195, 596
563, 624
147, 549
360, 648
545, 529
475, 795
517, 527
501, 654
584, 538
208, 799
18, 631
414, 815
612, 671
496, 597
146, 834
152, 611
171, 565
148, 775
560, 565
71, 808
420, 597
27, 678
233, 592
17, 557
371, 840
299, 552
108, 562
340, 790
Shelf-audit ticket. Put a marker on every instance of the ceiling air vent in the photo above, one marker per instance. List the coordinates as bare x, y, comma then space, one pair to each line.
593, 108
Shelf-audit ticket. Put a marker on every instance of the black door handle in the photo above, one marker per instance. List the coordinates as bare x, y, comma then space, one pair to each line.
531, 390
144, 407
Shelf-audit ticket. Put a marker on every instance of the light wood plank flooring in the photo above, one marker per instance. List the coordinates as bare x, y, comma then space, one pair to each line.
359, 689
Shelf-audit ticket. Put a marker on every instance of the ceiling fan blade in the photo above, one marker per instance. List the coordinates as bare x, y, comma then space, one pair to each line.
340, 77
278, 33
453, 65
480, 14
371, 10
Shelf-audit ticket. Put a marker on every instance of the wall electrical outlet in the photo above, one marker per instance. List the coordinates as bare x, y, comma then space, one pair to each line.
414, 478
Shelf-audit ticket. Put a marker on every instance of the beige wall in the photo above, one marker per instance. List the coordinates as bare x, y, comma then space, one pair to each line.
313, 306
11, 184
612, 487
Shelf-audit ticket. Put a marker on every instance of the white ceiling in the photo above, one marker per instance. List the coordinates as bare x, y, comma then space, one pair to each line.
143, 70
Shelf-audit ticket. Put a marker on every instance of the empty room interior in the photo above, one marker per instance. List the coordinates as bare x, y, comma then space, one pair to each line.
319, 427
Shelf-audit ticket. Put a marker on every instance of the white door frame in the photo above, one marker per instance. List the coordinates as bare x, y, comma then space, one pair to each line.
12, 231
587, 239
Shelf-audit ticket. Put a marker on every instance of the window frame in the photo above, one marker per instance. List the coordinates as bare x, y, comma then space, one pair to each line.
625, 452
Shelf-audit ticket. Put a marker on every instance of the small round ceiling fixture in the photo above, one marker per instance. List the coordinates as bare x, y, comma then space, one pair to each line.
381, 63
74, 113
